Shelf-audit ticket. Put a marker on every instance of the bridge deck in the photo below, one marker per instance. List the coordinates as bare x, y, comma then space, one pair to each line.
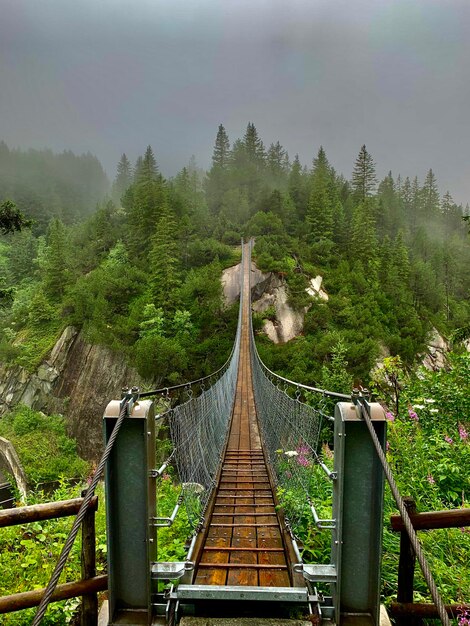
243, 544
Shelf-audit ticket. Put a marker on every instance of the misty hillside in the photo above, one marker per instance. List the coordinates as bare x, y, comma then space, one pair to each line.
142, 273
45, 185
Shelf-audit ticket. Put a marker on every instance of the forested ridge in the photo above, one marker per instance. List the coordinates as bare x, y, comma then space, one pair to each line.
140, 271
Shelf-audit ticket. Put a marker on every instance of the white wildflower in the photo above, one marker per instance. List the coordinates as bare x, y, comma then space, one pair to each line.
419, 406
429, 400
291, 453
434, 410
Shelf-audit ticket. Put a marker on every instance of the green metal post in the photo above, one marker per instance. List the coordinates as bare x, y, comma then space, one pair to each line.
358, 510
130, 502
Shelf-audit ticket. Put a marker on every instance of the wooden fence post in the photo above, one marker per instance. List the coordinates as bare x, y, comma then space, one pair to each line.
89, 614
406, 569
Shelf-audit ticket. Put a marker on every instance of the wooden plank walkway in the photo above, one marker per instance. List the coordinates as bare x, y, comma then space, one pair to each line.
243, 544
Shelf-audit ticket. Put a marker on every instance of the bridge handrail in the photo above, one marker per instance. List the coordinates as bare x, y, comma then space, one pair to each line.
324, 392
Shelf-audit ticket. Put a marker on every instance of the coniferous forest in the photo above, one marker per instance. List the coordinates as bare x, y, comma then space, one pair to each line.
136, 264
138, 268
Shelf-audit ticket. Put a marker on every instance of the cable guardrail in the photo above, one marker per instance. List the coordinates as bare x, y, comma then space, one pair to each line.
291, 430
364, 408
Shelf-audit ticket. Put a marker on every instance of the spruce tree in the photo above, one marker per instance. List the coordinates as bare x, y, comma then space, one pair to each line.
430, 201
123, 178
320, 218
221, 154
54, 260
277, 162
164, 262
363, 178
217, 182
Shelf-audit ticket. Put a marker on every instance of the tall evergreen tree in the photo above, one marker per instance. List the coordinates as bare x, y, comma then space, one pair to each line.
123, 178
221, 154
277, 161
430, 201
164, 262
148, 200
320, 210
54, 260
298, 187
217, 182
363, 177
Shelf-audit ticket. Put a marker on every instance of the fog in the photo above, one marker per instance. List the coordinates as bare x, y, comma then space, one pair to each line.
115, 75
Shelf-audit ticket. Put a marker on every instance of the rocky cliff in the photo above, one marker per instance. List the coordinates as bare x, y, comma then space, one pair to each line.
78, 380
270, 291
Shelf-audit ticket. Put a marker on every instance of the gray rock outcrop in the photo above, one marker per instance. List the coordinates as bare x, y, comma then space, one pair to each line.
77, 380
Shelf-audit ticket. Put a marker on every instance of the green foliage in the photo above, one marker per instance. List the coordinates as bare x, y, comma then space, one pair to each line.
11, 219
46, 452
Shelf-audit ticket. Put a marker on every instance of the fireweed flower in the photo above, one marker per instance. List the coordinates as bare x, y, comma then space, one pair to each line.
431, 480
301, 460
387, 446
449, 439
303, 449
463, 617
463, 433
413, 415
389, 416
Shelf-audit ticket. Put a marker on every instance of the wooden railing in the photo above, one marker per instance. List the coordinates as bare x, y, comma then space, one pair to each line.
90, 583
404, 610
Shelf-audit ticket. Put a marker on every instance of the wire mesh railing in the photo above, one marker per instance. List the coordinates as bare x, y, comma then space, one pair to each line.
199, 427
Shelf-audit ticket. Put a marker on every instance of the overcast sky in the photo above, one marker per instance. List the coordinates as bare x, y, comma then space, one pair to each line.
113, 76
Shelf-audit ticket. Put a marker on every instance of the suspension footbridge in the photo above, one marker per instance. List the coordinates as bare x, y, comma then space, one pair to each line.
253, 481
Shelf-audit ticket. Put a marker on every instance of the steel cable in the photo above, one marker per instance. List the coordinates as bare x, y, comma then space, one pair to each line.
46, 598
405, 517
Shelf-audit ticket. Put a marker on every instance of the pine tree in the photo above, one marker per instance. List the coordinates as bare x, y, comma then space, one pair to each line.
430, 201
320, 219
298, 187
217, 182
254, 148
221, 154
163, 262
123, 178
148, 201
54, 260
277, 162
363, 178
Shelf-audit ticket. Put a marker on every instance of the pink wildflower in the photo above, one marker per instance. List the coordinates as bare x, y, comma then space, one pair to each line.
303, 449
413, 415
431, 480
449, 439
166, 477
301, 460
463, 616
387, 446
389, 416
463, 433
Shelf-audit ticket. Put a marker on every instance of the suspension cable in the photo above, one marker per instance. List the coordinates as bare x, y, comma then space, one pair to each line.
126, 406
365, 412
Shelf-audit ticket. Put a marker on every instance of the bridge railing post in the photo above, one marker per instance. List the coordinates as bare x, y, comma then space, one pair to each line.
130, 503
358, 511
